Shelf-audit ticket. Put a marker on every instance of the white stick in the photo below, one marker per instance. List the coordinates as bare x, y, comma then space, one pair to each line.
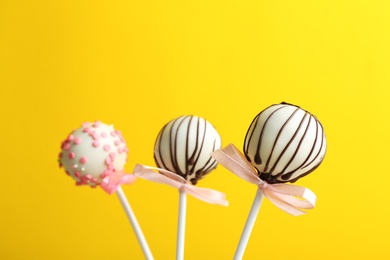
249, 225
134, 224
181, 225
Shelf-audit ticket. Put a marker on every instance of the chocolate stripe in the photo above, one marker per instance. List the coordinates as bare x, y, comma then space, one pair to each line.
289, 143
286, 176
276, 141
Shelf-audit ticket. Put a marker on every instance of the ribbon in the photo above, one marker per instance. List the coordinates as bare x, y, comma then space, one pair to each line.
178, 182
111, 182
290, 198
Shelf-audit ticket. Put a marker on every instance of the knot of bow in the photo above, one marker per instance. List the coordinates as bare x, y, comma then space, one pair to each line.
290, 198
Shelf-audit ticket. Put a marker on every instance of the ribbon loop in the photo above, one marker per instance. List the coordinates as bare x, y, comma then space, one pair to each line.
290, 198
231, 158
178, 182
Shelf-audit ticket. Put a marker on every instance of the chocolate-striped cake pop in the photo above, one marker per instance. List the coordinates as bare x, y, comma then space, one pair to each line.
93, 152
183, 146
285, 143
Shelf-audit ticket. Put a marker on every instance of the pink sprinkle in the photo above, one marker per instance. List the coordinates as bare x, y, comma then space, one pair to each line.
77, 140
88, 177
96, 124
96, 143
77, 174
95, 136
94, 180
111, 167
66, 146
120, 150
113, 133
117, 143
106, 147
83, 160
112, 155
86, 130
126, 150
71, 155
108, 161
70, 138
104, 134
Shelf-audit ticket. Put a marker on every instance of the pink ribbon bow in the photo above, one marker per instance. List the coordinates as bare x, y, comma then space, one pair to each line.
111, 182
289, 198
176, 181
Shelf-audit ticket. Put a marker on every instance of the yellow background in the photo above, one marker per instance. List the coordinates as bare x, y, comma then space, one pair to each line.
139, 64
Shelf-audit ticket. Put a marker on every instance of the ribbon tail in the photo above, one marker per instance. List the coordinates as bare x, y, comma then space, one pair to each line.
300, 197
207, 195
288, 203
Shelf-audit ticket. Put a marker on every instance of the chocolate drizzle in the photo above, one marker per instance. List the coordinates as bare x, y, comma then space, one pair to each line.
276, 141
196, 145
278, 163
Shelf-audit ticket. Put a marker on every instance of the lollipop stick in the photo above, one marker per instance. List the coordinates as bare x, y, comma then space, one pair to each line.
134, 223
249, 225
181, 225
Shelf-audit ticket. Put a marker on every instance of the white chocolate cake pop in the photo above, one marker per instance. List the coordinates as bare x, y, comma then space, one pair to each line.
183, 146
92, 152
285, 143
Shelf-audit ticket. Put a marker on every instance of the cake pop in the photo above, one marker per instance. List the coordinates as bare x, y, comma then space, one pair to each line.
95, 155
183, 146
285, 143
93, 152
182, 151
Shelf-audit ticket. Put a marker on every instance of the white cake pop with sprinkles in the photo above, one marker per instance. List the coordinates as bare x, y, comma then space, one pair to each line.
92, 152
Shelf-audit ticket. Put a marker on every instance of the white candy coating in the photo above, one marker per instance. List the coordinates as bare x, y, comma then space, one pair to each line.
285, 143
93, 152
183, 146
